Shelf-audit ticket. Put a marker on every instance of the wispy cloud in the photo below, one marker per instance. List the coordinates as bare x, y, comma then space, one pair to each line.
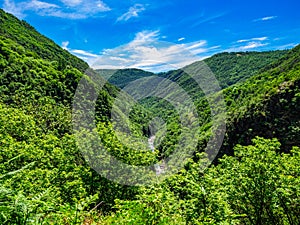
38, 5
147, 51
268, 18
132, 12
68, 9
181, 39
253, 45
85, 55
10, 7
196, 47
286, 46
252, 39
248, 46
72, 2
65, 44
207, 19
265, 18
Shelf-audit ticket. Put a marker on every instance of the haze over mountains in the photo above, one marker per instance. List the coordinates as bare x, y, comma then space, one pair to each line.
45, 176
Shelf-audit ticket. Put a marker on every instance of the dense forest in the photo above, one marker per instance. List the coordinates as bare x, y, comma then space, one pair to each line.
229, 68
46, 179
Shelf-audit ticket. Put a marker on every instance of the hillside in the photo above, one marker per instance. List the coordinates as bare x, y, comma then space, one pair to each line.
37, 44
43, 175
267, 104
229, 68
255, 183
46, 178
234, 67
121, 78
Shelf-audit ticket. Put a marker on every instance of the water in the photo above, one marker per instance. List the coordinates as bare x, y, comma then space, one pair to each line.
159, 168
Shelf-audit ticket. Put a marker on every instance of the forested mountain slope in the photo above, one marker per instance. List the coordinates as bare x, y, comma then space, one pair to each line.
228, 68
234, 67
44, 178
43, 175
122, 77
258, 183
36, 44
267, 104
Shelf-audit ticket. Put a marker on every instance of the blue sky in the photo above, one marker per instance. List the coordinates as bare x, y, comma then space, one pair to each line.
160, 35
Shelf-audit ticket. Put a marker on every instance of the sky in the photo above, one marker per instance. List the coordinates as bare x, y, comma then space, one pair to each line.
160, 35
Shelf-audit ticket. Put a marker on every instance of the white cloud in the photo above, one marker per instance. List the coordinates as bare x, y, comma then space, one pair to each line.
101, 6
286, 46
76, 9
83, 53
248, 45
243, 40
33, 5
147, 52
181, 39
145, 37
132, 12
195, 45
37, 5
10, 7
253, 39
65, 44
259, 39
71, 2
266, 18
252, 45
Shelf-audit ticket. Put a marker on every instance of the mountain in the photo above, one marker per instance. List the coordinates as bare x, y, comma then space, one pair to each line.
47, 165
36, 44
228, 68
43, 174
253, 178
122, 77
267, 104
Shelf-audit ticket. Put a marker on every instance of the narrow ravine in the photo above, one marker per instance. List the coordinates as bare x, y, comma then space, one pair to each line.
159, 169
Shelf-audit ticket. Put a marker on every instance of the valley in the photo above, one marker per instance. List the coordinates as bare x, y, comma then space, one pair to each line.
54, 171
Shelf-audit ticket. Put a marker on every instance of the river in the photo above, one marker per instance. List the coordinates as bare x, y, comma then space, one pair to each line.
159, 168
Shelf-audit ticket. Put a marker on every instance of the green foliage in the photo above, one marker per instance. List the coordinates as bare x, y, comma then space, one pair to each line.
37, 45
153, 206
256, 185
234, 67
121, 78
261, 182
27, 78
44, 178
266, 105
259, 185
228, 69
38, 153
